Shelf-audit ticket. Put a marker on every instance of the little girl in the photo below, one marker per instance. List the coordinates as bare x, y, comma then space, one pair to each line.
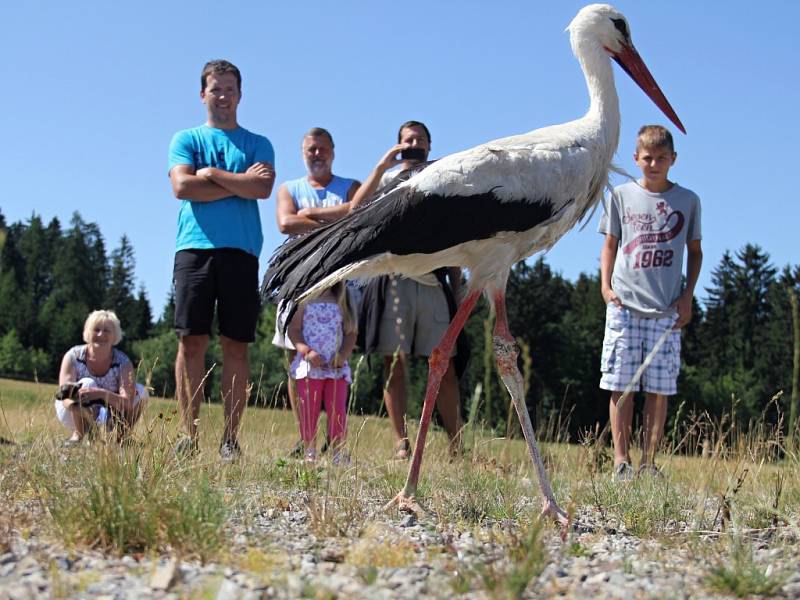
324, 332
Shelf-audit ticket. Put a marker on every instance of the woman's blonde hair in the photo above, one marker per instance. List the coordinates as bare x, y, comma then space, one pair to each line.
102, 316
349, 319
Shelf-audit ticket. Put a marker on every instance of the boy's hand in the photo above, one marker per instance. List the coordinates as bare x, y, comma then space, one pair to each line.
684, 307
610, 295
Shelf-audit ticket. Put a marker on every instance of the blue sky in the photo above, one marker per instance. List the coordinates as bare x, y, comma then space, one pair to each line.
95, 90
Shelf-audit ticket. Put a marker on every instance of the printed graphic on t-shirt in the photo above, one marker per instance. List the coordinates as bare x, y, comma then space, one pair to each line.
219, 163
652, 230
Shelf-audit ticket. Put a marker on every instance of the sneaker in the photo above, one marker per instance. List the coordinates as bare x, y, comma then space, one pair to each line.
230, 451
649, 470
341, 458
186, 447
622, 472
310, 455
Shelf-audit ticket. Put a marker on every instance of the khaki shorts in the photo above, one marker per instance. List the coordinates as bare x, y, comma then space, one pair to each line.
414, 318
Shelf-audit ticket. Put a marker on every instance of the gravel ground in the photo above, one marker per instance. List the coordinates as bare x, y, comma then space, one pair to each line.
277, 555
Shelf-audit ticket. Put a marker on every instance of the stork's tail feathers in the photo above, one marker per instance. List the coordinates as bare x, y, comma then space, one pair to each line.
612, 168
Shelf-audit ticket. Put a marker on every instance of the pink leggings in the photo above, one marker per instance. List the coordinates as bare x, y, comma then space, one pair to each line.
312, 392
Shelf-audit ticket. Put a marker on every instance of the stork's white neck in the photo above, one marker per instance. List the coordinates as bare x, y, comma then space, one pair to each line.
603, 114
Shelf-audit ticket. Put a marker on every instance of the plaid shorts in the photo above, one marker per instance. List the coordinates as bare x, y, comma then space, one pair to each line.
627, 342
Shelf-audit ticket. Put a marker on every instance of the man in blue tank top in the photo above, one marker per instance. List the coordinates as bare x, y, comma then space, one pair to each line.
218, 172
310, 202
319, 197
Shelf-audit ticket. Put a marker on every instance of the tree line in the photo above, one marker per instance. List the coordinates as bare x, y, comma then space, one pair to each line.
50, 279
737, 351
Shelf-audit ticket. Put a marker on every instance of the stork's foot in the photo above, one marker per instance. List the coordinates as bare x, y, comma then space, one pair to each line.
405, 504
552, 510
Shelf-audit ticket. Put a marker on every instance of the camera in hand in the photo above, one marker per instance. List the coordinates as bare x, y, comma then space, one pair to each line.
69, 391
413, 154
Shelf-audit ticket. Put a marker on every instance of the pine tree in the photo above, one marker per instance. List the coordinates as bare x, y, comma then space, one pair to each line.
120, 292
98, 264
38, 261
79, 275
734, 331
12, 281
143, 316
754, 277
38, 247
719, 353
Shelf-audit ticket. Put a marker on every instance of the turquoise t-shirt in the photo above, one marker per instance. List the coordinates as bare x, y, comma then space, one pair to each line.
231, 222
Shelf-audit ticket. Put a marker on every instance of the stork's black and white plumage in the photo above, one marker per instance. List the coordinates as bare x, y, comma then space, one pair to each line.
484, 209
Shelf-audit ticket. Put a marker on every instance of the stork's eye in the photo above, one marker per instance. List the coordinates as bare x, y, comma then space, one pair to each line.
621, 27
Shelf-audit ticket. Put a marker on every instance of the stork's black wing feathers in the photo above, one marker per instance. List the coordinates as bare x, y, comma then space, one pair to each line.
400, 220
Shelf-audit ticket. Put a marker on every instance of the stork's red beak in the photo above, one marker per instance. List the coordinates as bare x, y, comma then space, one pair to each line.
630, 61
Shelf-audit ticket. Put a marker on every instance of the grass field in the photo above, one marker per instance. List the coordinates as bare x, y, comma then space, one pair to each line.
139, 500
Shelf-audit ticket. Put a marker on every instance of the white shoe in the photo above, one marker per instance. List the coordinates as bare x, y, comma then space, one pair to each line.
622, 472
310, 455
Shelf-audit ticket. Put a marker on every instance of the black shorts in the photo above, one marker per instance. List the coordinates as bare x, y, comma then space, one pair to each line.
225, 277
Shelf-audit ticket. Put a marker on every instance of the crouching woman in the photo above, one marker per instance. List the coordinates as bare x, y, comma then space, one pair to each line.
97, 382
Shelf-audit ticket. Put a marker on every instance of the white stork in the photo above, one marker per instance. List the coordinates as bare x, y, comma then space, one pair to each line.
483, 209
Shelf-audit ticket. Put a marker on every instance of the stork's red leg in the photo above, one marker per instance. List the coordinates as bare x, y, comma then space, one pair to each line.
505, 349
438, 362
